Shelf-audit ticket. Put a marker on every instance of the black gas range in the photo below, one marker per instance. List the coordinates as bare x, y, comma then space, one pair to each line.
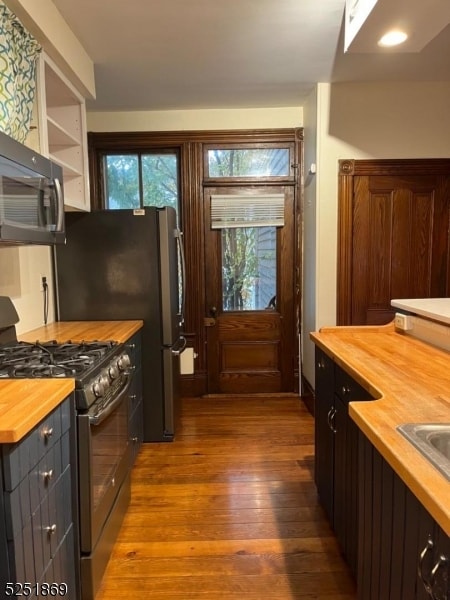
95, 365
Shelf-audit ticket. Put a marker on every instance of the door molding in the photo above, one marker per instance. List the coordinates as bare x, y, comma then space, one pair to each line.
348, 170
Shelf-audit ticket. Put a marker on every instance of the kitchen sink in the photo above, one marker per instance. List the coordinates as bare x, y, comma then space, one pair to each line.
433, 441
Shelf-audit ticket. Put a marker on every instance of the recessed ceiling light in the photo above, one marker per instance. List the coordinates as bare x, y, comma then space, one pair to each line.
392, 38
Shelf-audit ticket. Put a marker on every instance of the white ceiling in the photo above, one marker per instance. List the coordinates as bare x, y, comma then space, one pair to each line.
197, 54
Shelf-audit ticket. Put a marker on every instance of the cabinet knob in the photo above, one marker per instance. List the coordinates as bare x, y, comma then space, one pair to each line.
134, 439
321, 364
48, 475
346, 390
47, 433
51, 529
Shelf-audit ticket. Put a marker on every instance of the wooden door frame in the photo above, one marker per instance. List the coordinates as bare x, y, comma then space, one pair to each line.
348, 170
286, 287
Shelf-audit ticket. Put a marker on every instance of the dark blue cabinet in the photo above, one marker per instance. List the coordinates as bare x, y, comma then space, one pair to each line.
135, 402
38, 504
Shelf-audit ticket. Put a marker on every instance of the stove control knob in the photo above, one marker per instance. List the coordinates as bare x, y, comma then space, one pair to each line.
123, 362
113, 371
104, 380
98, 388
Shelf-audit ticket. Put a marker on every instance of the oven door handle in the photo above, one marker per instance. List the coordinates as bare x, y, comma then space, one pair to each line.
98, 418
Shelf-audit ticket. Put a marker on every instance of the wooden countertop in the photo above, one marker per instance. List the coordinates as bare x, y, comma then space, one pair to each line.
411, 383
78, 331
25, 402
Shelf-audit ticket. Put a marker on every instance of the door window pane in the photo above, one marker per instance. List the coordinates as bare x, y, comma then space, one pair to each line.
138, 180
248, 268
249, 162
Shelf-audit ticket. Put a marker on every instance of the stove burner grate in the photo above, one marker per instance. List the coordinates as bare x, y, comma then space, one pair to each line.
51, 359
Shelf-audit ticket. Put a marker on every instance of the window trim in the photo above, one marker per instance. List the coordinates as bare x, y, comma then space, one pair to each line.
140, 153
249, 179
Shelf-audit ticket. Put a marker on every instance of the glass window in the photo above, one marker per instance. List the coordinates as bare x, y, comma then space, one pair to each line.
249, 162
138, 180
122, 181
248, 268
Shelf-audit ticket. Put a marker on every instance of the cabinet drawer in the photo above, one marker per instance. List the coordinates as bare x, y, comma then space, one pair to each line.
348, 389
48, 470
51, 521
21, 458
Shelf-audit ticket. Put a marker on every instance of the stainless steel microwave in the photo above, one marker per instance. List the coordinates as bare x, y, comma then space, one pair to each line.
31, 196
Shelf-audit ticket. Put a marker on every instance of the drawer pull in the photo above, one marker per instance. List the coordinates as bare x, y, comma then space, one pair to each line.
48, 475
330, 418
346, 390
321, 364
441, 562
51, 529
47, 433
428, 548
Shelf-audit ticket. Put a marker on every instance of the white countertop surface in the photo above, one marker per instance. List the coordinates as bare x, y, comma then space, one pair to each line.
437, 309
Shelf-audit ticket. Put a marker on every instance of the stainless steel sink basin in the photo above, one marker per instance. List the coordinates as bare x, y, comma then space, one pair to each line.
433, 441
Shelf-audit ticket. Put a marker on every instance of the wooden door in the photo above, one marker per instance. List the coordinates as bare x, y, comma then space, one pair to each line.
250, 349
393, 236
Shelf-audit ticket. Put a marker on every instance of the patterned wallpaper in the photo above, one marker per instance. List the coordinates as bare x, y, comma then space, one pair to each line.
18, 54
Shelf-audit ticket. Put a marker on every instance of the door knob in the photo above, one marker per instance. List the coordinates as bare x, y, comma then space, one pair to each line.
213, 311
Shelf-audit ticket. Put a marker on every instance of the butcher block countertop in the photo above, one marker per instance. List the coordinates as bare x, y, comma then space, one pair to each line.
83, 331
411, 383
25, 402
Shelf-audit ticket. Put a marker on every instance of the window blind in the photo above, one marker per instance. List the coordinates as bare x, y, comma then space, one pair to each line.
263, 210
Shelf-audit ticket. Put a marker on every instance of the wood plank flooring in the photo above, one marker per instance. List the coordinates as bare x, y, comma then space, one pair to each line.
228, 511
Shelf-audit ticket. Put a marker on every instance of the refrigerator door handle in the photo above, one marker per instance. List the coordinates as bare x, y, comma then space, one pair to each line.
179, 236
177, 351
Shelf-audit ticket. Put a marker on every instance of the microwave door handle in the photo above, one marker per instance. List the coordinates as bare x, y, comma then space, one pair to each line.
60, 203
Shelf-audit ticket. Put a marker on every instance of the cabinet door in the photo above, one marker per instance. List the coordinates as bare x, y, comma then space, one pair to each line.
63, 135
324, 436
346, 483
403, 554
433, 573
135, 402
441, 580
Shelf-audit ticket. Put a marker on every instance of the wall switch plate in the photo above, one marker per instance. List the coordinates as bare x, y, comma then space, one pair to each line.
402, 322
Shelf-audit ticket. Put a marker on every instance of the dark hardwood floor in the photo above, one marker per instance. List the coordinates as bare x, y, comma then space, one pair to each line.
228, 511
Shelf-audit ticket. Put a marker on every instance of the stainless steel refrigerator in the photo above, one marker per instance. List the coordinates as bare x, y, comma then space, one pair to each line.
121, 265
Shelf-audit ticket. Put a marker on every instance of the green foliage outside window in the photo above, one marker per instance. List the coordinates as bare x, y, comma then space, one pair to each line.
135, 181
248, 162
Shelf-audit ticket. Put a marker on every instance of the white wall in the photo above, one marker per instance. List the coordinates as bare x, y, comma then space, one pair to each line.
196, 120
367, 120
309, 234
20, 271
